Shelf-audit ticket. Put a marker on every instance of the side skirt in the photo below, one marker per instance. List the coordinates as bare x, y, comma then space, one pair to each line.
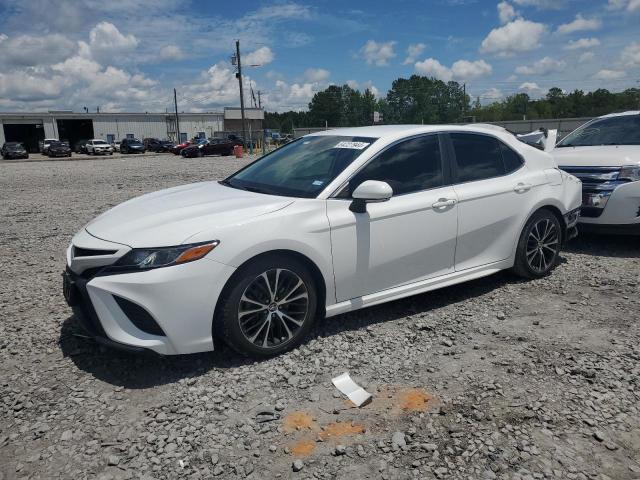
416, 288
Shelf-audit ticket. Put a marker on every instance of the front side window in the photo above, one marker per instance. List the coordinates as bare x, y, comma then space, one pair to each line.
302, 168
622, 130
409, 166
477, 157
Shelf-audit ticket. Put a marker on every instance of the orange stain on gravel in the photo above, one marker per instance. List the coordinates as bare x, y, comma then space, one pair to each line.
295, 421
341, 429
415, 400
303, 448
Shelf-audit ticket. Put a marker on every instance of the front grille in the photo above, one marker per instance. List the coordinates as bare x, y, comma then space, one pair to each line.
90, 252
600, 181
139, 316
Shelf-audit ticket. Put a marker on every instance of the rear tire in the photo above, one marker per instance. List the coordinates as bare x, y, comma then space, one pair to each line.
539, 246
267, 307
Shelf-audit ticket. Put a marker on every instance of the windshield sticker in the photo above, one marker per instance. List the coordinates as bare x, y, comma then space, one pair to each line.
317, 183
353, 145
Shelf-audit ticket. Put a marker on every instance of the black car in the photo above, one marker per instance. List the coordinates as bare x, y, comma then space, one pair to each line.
80, 146
131, 145
213, 146
59, 149
14, 150
155, 145
236, 140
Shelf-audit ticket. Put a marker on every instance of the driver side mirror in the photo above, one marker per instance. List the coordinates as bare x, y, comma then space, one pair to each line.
369, 191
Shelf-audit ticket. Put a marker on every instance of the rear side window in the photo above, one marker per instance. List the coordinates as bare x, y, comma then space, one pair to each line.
477, 157
409, 166
512, 161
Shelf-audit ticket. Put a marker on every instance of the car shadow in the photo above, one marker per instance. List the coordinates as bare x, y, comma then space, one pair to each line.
147, 369
602, 245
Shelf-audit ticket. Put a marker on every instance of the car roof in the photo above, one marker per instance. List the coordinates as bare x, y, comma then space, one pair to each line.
389, 131
621, 114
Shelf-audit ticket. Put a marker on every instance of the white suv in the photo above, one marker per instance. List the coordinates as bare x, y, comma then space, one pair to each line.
98, 147
605, 154
332, 222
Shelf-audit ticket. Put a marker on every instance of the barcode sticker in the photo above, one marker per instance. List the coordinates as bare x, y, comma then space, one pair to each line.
352, 145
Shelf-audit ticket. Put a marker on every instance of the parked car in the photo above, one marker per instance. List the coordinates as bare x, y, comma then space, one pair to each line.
59, 149
98, 146
12, 150
605, 154
178, 148
333, 222
156, 145
213, 146
236, 140
43, 145
131, 145
116, 145
80, 146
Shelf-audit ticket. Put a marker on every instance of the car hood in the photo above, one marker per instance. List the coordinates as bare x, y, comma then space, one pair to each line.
597, 156
169, 217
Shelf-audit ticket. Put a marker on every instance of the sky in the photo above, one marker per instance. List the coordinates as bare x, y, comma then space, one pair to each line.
129, 55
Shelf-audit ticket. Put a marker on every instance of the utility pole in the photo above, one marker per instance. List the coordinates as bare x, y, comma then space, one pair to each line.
175, 103
259, 100
239, 77
464, 100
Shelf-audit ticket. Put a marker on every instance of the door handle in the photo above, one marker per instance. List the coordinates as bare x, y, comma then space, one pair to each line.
443, 202
522, 187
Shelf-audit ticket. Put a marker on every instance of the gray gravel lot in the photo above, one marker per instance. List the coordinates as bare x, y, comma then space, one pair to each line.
497, 378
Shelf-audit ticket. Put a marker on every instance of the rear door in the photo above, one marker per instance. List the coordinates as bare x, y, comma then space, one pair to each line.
494, 190
410, 237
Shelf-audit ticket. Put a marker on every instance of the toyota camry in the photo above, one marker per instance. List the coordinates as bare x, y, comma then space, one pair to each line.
329, 223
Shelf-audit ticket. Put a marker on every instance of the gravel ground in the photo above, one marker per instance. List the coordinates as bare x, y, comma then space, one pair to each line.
497, 378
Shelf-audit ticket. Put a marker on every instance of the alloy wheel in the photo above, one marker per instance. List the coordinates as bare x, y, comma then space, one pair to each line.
273, 308
542, 245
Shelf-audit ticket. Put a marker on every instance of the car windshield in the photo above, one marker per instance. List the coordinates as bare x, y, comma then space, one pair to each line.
302, 168
622, 130
99, 142
14, 146
134, 142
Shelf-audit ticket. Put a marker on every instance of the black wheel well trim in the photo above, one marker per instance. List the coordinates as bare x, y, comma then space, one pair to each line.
310, 264
558, 214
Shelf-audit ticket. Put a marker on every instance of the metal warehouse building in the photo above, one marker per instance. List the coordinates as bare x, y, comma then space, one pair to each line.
30, 128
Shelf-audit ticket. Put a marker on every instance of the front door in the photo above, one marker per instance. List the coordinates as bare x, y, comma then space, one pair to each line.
410, 237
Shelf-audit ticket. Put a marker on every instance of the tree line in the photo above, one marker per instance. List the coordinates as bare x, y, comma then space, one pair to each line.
421, 99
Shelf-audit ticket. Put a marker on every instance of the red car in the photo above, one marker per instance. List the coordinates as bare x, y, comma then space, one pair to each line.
178, 148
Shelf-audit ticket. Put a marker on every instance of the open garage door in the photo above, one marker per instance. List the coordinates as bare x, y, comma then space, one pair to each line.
29, 134
73, 130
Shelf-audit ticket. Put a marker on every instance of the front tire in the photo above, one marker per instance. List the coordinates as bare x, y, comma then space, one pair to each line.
539, 246
268, 307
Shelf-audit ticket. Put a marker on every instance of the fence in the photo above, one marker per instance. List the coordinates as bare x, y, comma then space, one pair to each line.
563, 125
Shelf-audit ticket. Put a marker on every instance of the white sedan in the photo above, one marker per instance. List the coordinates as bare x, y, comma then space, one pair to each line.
98, 146
330, 223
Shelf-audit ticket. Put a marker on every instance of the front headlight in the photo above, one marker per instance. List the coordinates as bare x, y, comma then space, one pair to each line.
149, 258
630, 173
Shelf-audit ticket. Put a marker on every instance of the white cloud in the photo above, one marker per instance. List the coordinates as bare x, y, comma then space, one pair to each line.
491, 95
543, 66
31, 85
586, 57
413, 52
606, 74
33, 50
171, 52
378, 53
368, 85
466, 70
517, 36
261, 56
106, 42
628, 5
506, 12
579, 24
582, 43
460, 70
530, 88
316, 75
353, 84
433, 68
631, 54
